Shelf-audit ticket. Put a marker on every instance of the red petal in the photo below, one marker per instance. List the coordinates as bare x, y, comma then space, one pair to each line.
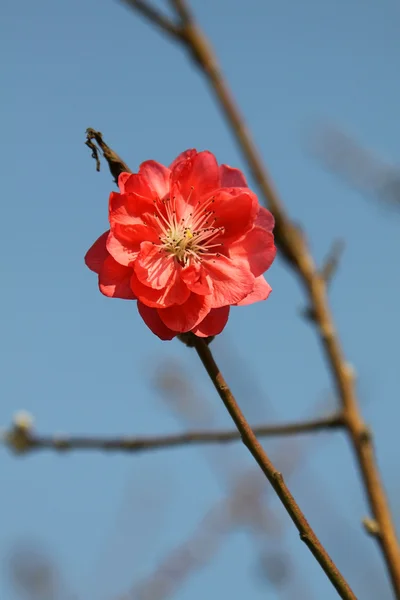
183, 318
153, 322
121, 181
214, 322
261, 291
97, 254
257, 248
231, 177
197, 280
235, 210
157, 176
136, 184
132, 209
176, 292
124, 242
183, 156
232, 281
264, 219
114, 280
153, 267
196, 177
135, 234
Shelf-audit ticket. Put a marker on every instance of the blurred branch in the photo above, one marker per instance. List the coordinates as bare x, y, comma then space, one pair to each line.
294, 249
340, 153
35, 574
22, 439
241, 507
275, 478
186, 558
332, 261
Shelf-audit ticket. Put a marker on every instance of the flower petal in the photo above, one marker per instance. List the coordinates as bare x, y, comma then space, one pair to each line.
257, 248
196, 279
183, 318
154, 267
157, 177
231, 177
214, 322
235, 210
121, 181
151, 318
97, 253
175, 292
183, 156
196, 177
135, 184
132, 209
261, 291
124, 242
114, 280
265, 219
232, 280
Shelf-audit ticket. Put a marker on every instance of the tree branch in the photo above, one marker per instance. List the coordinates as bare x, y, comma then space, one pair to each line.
155, 17
275, 478
22, 439
293, 248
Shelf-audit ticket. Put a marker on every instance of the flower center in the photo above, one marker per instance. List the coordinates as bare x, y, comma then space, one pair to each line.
193, 236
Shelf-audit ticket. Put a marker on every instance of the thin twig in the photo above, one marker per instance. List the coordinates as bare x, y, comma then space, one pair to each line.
294, 249
327, 272
155, 17
275, 478
22, 439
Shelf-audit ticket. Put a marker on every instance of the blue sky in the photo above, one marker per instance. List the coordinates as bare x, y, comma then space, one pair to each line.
81, 363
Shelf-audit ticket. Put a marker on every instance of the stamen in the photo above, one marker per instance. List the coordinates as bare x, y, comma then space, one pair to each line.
191, 237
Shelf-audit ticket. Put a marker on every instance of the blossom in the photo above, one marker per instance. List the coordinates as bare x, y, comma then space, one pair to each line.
187, 242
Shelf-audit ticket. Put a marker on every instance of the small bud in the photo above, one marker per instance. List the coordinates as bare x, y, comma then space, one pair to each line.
371, 526
23, 420
18, 439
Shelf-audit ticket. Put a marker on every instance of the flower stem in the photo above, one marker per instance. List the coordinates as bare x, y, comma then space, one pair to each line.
275, 478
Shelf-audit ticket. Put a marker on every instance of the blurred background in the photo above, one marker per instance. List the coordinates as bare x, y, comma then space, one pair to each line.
319, 87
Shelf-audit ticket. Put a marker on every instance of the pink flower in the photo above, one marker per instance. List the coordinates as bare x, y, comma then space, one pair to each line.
187, 242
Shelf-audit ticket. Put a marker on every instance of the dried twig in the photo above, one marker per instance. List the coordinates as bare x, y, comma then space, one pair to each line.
294, 249
115, 163
22, 439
